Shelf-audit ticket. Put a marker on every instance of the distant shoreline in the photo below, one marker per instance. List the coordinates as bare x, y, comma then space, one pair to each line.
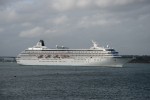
141, 59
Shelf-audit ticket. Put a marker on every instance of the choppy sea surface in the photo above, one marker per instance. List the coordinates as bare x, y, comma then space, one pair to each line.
131, 82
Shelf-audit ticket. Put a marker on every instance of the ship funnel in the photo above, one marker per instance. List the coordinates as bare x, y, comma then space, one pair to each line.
42, 43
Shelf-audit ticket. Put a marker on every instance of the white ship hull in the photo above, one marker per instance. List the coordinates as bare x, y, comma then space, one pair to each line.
108, 61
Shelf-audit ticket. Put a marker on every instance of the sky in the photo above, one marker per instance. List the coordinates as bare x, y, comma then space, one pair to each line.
122, 24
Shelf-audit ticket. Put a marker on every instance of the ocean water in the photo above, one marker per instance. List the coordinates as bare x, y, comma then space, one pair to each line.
131, 82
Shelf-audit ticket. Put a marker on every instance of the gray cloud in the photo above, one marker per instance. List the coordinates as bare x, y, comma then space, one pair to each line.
122, 23
6, 2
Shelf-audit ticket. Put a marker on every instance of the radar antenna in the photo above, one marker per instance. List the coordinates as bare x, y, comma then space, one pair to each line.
107, 46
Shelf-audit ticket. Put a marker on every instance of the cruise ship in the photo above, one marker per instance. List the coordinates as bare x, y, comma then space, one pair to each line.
63, 56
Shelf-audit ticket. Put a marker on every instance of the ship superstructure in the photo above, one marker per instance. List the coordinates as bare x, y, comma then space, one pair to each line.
95, 56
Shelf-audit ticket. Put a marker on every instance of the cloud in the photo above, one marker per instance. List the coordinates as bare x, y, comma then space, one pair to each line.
110, 3
1, 30
6, 2
67, 5
37, 31
63, 5
8, 16
26, 24
61, 20
98, 20
83, 3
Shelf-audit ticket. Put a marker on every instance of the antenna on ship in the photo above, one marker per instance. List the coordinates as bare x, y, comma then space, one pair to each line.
107, 46
56, 46
94, 44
